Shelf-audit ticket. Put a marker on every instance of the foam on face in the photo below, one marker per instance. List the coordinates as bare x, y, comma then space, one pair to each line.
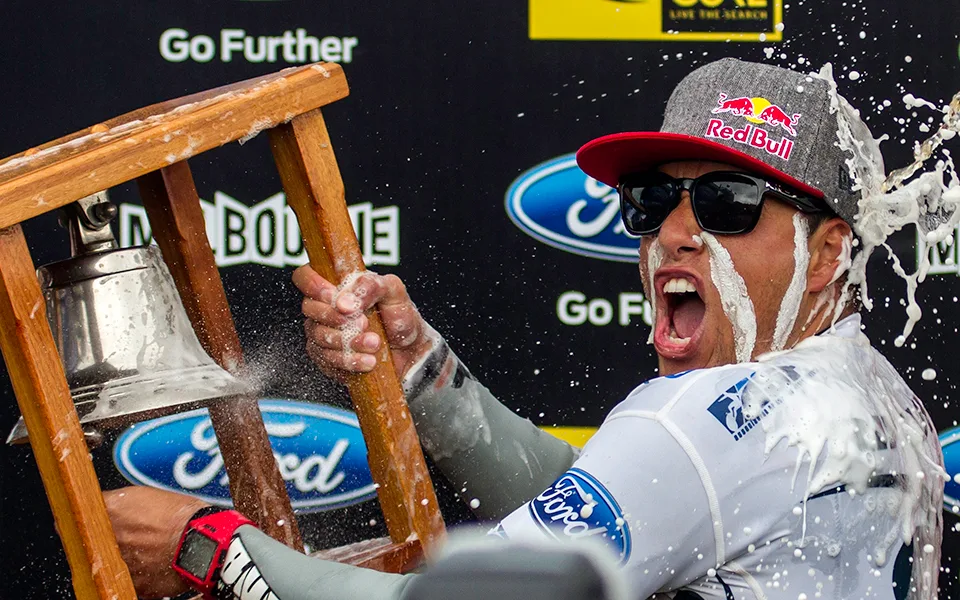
654, 258
734, 297
790, 305
845, 259
843, 413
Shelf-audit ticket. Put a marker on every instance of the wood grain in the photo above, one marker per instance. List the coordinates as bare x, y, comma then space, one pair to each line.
122, 149
43, 395
379, 554
314, 189
176, 219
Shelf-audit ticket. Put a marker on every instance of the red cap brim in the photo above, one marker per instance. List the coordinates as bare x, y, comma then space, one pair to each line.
608, 158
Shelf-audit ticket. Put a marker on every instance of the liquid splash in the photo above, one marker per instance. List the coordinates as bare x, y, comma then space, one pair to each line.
890, 203
853, 420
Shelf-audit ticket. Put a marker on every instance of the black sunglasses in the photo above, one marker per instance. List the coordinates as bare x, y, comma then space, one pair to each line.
724, 202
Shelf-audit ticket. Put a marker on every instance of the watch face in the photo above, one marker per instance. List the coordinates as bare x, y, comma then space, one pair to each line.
196, 554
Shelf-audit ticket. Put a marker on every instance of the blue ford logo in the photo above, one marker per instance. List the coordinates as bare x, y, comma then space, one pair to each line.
578, 506
556, 203
950, 441
319, 450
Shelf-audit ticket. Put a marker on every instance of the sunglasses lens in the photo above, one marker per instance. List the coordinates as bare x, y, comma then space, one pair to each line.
644, 205
727, 204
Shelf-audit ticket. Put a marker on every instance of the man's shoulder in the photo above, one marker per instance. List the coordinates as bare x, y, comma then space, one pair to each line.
697, 388
719, 394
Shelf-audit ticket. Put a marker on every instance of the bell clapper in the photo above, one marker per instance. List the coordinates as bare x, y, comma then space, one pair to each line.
88, 221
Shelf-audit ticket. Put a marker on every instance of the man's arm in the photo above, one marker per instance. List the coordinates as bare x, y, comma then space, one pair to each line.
257, 567
494, 457
148, 523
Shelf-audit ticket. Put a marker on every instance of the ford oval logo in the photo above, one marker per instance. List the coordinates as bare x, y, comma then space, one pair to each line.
558, 204
319, 450
579, 506
950, 441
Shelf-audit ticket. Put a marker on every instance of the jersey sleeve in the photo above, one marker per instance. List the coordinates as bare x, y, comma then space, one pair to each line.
497, 459
636, 489
677, 482
257, 567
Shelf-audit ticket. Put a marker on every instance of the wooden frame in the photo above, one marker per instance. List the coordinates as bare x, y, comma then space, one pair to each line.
152, 145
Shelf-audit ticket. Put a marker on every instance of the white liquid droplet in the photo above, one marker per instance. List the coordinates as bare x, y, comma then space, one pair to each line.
929, 374
474, 503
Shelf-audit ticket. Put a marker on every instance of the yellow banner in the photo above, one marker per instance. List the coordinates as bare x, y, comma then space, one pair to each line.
661, 20
575, 436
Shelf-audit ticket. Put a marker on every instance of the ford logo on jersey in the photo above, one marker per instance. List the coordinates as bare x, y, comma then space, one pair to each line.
578, 506
950, 441
556, 203
319, 450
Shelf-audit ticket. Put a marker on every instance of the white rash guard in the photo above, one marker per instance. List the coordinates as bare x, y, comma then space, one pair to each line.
678, 483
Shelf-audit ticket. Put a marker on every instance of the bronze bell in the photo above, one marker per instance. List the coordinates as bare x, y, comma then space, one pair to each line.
127, 346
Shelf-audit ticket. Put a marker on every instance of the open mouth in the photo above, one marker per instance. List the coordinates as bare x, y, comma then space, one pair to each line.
680, 316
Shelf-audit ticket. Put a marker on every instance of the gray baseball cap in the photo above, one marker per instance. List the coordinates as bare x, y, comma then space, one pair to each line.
770, 121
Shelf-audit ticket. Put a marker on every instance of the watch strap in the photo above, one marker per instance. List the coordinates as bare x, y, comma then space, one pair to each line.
219, 525
206, 510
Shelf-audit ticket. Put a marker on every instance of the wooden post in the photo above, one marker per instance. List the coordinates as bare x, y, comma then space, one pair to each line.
62, 456
176, 219
314, 189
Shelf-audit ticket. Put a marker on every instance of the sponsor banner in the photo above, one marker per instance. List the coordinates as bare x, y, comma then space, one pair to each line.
662, 20
291, 47
573, 308
575, 436
950, 441
558, 204
268, 234
944, 256
319, 449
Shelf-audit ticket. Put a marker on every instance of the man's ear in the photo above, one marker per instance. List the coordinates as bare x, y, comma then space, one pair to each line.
827, 251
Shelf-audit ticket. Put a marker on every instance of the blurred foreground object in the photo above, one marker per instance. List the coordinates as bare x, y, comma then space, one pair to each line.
507, 570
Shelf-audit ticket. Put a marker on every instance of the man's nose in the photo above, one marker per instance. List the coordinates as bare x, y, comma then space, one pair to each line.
676, 233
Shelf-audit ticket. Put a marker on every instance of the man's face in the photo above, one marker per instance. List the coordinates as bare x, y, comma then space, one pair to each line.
692, 330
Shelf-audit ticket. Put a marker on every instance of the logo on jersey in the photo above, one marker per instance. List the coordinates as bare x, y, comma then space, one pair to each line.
578, 506
728, 409
771, 384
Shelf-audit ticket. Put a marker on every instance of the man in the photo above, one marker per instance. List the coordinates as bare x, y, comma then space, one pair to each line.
813, 472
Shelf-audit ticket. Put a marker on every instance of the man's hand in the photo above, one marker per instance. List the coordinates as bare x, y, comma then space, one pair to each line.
338, 339
148, 523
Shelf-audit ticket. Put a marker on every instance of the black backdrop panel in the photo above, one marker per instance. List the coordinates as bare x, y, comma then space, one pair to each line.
450, 104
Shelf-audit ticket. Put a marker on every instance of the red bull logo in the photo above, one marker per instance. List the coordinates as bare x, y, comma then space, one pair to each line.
760, 111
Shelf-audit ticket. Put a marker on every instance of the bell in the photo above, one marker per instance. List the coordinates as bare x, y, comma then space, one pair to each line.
128, 349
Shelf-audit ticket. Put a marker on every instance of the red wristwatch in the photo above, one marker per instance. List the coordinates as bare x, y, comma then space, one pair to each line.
204, 544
